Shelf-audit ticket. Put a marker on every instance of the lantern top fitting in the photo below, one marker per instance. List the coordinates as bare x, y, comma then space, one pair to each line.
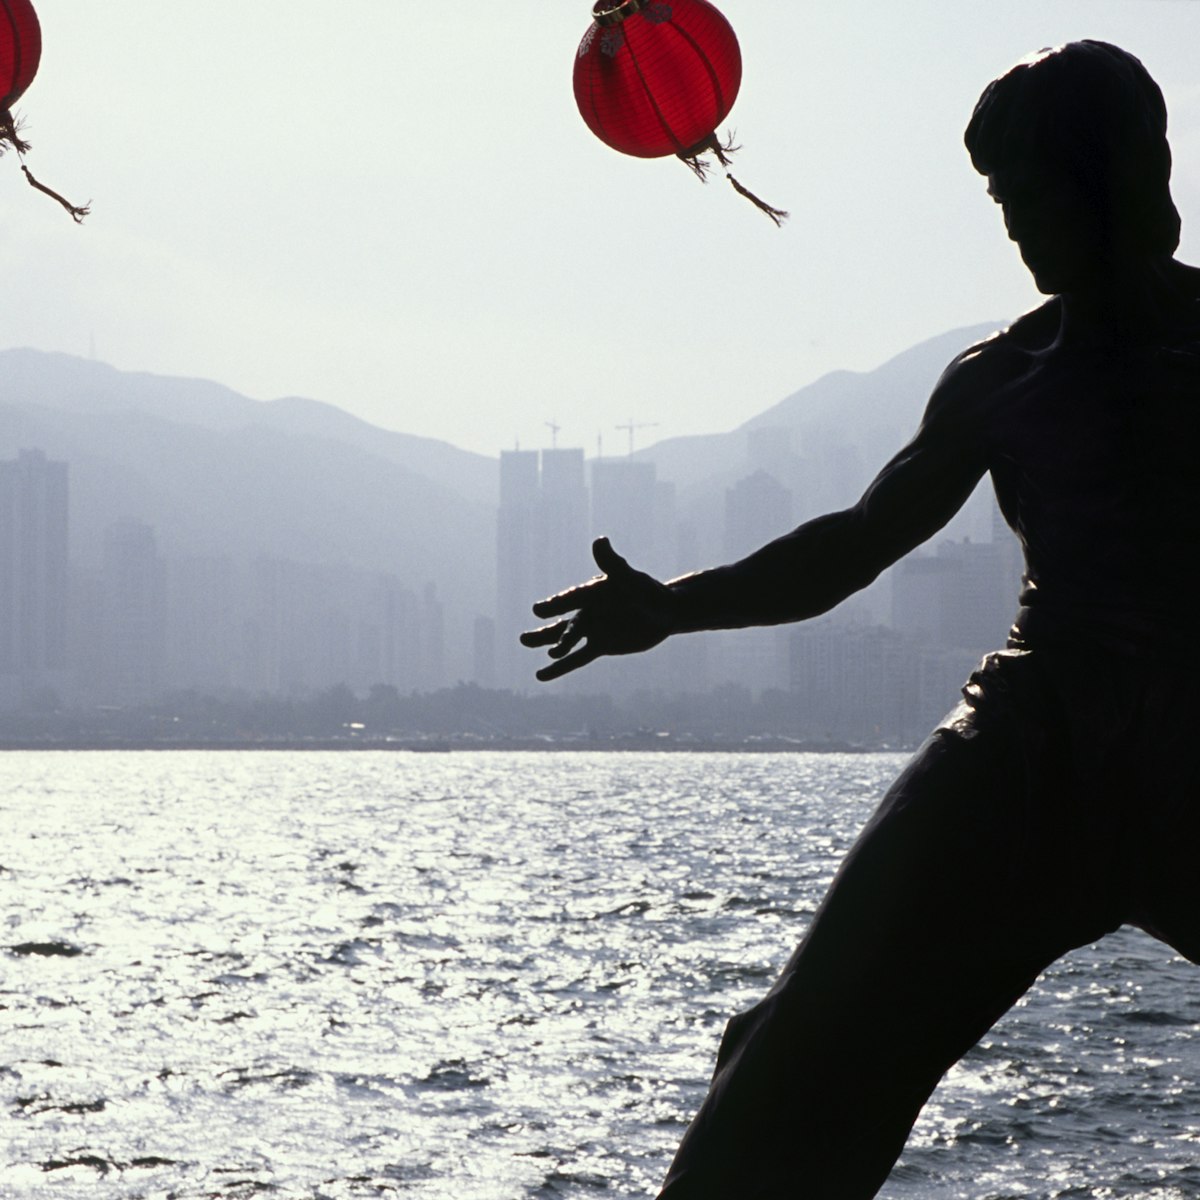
656, 77
604, 12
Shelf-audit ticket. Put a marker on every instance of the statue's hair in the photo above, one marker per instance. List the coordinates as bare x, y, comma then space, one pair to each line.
1092, 109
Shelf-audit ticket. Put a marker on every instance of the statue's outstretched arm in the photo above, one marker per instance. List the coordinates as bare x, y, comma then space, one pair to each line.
816, 566
799, 575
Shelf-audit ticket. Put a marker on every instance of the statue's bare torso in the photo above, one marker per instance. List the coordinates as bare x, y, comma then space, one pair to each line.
1094, 452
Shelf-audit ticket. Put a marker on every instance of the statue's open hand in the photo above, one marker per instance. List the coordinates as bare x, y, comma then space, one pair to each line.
621, 611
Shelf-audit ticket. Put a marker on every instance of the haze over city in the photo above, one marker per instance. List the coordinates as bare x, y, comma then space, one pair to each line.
194, 559
399, 211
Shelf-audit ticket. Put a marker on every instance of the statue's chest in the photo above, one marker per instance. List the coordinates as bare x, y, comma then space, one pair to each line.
1115, 438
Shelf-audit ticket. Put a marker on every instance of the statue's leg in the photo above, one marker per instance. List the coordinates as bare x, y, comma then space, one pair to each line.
952, 901
1161, 829
1169, 900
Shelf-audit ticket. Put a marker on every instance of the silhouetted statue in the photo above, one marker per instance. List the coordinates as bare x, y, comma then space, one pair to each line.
1059, 800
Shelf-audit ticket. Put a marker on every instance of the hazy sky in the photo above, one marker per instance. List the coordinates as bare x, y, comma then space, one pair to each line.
395, 207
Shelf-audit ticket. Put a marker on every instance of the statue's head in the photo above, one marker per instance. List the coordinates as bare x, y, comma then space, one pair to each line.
1074, 142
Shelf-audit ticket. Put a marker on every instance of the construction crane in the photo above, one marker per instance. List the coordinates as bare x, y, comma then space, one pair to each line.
631, 425
550, 425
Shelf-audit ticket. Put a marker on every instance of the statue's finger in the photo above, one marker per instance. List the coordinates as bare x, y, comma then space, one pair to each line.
565, 665
565, 602
569, 640
547, 635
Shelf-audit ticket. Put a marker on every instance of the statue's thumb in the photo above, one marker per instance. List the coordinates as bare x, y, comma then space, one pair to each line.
607, 559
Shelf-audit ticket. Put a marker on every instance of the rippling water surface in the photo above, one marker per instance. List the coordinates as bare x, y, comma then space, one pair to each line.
492, 976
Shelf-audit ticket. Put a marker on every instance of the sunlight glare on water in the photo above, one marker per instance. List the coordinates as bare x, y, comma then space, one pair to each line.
490, 976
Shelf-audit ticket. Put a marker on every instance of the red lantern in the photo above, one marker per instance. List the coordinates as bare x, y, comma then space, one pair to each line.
20, 53
656, 77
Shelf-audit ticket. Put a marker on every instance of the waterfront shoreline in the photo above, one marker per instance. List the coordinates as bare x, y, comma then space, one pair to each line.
615, 744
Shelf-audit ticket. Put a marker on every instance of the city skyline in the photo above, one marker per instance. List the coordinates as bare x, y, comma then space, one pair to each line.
155, 610
149, 631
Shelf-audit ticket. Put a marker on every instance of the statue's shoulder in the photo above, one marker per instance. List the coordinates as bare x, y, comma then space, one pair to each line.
1030, 335
1036, 331
975, 374
1186, 338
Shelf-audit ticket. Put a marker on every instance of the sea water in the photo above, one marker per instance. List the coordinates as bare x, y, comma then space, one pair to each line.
490, 976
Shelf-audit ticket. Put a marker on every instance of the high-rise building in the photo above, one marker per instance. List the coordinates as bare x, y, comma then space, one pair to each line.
758, 508
561, 548
202, 600
624, 508
921, 585
772, 448
755, 658
853, 683
278, 626
394, 614
545, 526
980, 611
134, 617
484, 652
964, 596
33, 571
431, 646
516, 535
837, 468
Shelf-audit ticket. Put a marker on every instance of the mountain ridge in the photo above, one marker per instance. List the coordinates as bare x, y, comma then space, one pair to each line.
40, 375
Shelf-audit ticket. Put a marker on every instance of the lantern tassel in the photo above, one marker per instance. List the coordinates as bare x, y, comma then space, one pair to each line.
778, 215
8, 133
699, 165
723, 152
700, 168
78, 212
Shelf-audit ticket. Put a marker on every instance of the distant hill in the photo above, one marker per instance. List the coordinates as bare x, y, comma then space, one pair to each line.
891, 396
217, 473
69, 384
